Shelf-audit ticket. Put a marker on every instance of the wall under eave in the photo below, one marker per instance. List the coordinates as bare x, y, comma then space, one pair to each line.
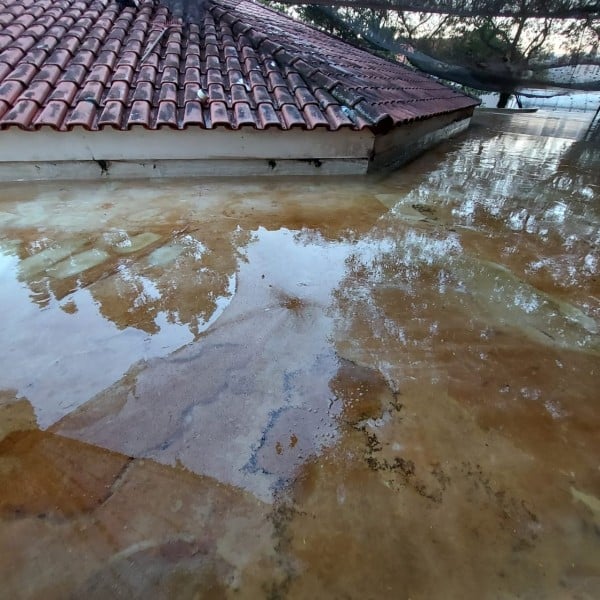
82, 154
142, 153
405, 142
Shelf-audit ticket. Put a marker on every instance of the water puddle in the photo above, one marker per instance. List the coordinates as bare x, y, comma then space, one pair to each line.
373, 388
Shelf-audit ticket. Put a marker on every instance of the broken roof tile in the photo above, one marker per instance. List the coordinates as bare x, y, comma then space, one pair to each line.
71, 63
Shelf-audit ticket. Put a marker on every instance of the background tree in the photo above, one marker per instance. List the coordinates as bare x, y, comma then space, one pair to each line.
506, 47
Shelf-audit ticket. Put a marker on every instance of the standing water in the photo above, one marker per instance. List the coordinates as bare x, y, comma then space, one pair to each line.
369, 388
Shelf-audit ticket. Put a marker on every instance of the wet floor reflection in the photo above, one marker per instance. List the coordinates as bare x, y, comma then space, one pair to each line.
362, 388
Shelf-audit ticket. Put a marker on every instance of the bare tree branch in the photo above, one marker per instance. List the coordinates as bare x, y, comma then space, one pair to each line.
556, 9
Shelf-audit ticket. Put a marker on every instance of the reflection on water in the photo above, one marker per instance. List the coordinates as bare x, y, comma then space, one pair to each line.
290, 388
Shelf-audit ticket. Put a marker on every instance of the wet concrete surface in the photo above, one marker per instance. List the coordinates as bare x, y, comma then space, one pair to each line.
358, 388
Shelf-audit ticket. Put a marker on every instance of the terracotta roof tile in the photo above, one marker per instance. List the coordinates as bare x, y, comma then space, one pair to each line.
140, 114
119, 90
65, 91
49, 73
214, 76
218, 114
193, 114
53, 115
11, 56
167, 114
92, 92
75, 73
314, 117
24, 73
123, 73
107, 57
282, 96
144, 91
192, 76
168, 92
4, 70
23, 43
11, 90
60, 57
338, 117
112, 115
291, 116
21, 114
147, 73
99, 73
170, 75
69, 43
267, 116
242, 115
78, 63
83, 115
304, 96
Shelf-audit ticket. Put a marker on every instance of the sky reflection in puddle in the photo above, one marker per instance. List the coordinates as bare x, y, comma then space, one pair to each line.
319, 389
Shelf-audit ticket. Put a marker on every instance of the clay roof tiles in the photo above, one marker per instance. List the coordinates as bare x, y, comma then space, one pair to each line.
84, 63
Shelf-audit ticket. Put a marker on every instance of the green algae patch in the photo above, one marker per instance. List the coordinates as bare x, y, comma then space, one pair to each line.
136, 243
37, 263
78, 263
165, 254
591, 502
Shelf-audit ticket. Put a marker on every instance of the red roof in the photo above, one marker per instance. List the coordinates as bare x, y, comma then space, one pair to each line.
68, 63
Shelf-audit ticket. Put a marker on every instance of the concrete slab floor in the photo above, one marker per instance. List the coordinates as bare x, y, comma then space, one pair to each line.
343, 388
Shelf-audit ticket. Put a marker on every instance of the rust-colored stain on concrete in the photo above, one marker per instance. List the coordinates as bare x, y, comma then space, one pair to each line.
370, 388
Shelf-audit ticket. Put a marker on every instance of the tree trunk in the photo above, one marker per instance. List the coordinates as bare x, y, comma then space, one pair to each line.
503, 100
